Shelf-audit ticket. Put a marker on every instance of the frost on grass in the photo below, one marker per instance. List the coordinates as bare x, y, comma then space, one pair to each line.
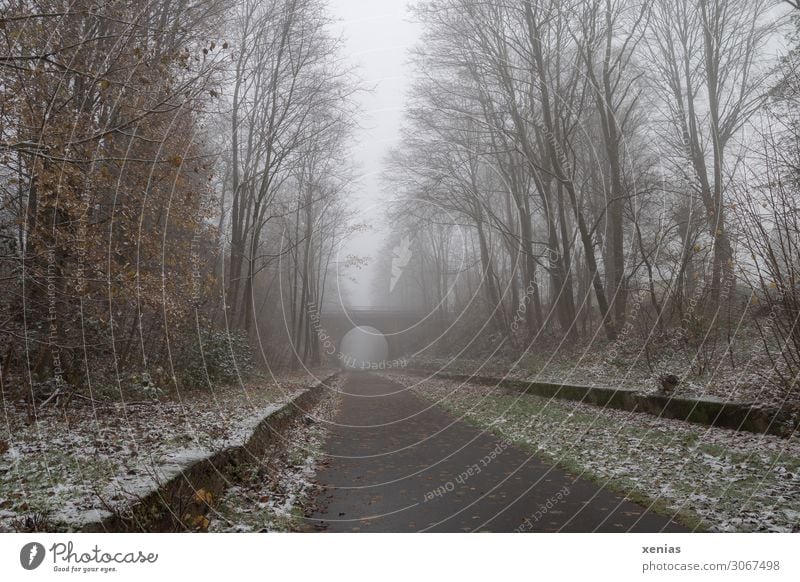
745, 374
718, 479
276, 489
65, 469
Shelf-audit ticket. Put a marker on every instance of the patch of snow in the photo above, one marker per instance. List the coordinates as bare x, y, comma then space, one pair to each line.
72, 468
733, 481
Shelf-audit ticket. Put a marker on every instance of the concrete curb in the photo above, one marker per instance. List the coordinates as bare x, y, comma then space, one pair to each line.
711, 412
182, 501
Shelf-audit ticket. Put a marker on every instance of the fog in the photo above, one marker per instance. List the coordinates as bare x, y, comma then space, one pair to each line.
378, 36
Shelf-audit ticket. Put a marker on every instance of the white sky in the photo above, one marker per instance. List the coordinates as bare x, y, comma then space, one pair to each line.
379, 35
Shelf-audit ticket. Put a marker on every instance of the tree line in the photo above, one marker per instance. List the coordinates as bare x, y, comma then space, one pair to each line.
172, 183
612, 169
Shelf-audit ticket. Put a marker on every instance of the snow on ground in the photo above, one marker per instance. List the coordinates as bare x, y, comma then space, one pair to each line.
275, 493
716, 478
68, 468
741, 376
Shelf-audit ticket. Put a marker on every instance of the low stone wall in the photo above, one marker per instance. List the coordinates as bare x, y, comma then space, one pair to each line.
182, 502
711, 412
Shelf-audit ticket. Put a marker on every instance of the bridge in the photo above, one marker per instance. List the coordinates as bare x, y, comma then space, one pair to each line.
404, 331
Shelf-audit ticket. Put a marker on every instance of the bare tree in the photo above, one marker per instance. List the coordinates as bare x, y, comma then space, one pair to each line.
705, 58
287, 79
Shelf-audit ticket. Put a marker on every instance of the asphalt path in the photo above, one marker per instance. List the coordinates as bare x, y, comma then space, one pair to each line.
396, 463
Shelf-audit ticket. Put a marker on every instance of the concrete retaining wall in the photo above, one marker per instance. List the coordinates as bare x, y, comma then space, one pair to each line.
711, 412
175, 504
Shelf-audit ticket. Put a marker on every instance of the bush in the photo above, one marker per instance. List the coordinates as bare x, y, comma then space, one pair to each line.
219, 357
